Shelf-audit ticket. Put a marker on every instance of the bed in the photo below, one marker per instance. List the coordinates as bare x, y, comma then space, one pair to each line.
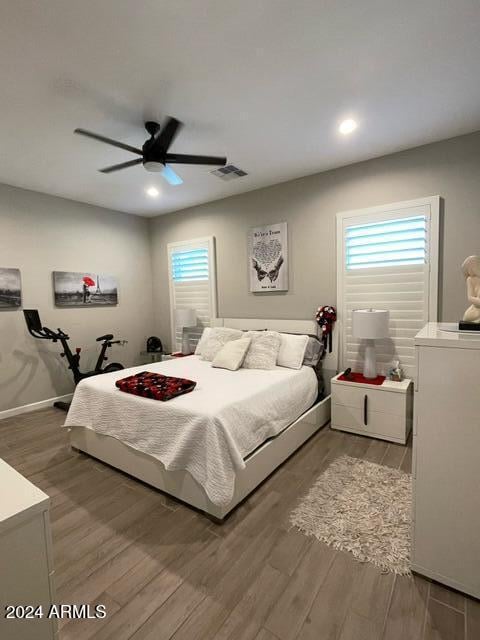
209, 448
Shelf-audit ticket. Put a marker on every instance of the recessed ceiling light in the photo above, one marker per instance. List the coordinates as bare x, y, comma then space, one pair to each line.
347, 126
153, 192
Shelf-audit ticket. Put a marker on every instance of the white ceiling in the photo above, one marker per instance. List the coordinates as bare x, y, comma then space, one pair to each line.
265, 82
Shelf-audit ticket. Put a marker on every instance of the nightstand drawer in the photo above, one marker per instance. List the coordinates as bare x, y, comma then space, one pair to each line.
380, 425
378, 399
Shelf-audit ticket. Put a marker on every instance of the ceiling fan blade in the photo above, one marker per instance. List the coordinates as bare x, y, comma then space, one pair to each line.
171, 177
167, 134
114, 143
122, 165
181, 158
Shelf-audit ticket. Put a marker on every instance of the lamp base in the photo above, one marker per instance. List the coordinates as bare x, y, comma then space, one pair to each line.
370, 361
186, 343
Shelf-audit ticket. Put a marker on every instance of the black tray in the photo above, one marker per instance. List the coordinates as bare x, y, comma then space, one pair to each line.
469, 326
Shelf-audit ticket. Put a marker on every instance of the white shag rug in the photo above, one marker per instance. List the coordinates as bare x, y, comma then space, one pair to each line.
361, 507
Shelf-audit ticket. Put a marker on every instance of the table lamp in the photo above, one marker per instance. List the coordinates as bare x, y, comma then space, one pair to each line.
370, 325
185, 318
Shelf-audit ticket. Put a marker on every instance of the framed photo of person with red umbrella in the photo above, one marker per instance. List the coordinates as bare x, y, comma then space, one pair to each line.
82, 289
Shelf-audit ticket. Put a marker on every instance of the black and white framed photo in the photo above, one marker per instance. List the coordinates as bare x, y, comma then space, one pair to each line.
268, 258
80, 289
10, 288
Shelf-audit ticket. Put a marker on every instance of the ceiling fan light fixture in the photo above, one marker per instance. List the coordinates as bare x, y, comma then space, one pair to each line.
153, 166
171, 177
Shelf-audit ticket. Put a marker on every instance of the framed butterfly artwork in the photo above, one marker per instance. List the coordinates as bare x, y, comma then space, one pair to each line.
268, 258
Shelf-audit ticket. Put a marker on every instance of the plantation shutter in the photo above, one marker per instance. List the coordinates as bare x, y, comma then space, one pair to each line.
386, 263
192, 285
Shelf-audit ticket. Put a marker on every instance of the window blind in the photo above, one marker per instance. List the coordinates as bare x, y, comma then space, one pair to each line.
190, 264
192, 286
386, 243
385, 264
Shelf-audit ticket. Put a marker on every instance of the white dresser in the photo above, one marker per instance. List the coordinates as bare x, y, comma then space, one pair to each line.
446, 458
26, 568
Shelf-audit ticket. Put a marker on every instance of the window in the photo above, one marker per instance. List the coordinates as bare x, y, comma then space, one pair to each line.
387, 243
190, 265
192, 285
388, 259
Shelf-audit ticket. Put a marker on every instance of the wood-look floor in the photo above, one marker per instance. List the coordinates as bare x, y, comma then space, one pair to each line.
164, 571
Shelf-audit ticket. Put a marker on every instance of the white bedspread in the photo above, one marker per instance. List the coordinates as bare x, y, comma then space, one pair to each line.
207, 432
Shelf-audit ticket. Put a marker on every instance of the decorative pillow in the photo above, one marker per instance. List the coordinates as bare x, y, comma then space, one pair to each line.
263, 350
232, 354
292, 351
155, 385
313, 352
202, 341
217, 337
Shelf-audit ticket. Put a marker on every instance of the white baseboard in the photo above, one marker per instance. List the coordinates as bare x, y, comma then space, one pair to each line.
26, 408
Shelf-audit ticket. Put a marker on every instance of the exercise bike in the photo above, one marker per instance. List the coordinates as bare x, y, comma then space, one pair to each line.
35, 328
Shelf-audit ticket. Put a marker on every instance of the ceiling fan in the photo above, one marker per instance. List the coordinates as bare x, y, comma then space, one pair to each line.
154, 152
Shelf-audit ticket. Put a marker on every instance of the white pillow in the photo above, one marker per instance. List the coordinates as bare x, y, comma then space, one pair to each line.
202, 341
217, 337
232, 354
292, 351
263, 350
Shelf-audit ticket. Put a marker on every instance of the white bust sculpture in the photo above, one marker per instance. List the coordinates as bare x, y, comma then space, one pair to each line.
471, 271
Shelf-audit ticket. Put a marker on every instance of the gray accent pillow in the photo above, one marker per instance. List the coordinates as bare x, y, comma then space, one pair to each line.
263, 350
313, 352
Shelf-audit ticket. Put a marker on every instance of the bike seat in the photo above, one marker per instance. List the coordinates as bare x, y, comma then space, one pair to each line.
107, 336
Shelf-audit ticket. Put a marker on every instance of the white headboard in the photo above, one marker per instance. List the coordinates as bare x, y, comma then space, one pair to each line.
290, 326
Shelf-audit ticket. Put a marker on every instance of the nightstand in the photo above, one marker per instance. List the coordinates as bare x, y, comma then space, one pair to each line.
171, 356
148, 357
380, 411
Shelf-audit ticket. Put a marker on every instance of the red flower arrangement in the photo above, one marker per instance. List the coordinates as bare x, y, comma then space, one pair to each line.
326, 317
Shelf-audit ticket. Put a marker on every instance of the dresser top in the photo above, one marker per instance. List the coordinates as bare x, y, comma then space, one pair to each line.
446, 335
19, 498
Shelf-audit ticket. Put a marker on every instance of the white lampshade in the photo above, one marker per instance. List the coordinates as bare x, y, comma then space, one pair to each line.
370, 323
185, 318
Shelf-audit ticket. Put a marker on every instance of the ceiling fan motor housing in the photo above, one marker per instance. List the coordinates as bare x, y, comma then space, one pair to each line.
152, 127
151, 162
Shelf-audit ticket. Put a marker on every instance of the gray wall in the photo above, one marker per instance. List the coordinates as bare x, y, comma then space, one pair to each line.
40, 234
450, 169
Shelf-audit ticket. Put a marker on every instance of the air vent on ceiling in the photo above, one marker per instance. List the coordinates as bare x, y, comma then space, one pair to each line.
229, 172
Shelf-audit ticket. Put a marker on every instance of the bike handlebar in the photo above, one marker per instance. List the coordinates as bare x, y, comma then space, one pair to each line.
51, 335
37, 330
